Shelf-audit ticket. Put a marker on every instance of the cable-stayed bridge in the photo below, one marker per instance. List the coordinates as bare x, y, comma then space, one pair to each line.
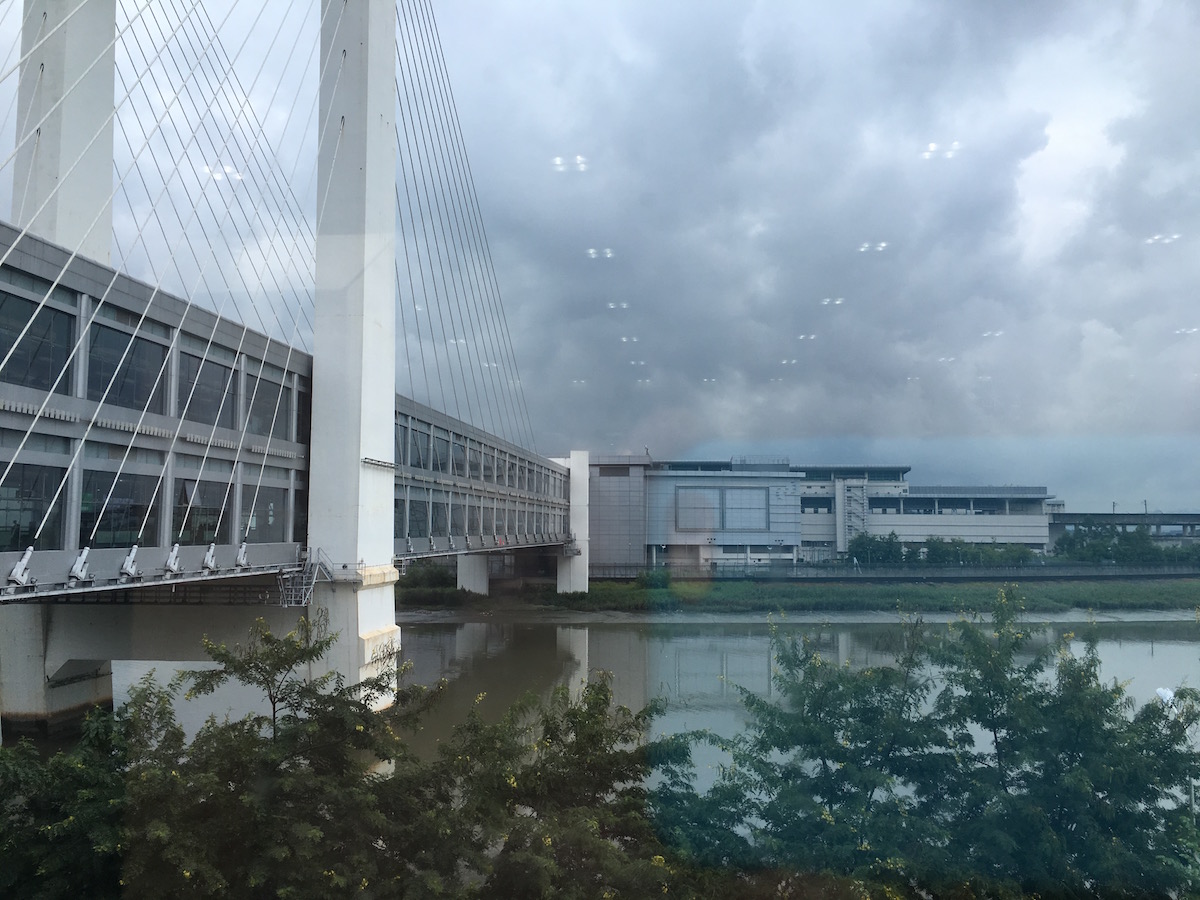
252, 348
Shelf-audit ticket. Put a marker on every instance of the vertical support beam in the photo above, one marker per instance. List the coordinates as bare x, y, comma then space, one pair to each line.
63, 176
351, 472
573, 570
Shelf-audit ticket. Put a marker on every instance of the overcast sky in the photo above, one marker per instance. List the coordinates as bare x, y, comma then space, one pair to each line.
958, 236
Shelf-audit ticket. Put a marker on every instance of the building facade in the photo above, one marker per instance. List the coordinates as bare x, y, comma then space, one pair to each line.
765, 511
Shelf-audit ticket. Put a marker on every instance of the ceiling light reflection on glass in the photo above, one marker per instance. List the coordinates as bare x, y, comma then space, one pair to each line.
937, 151
220, 173
569, 163
1163, 238
621, 305
868, 246
833, 301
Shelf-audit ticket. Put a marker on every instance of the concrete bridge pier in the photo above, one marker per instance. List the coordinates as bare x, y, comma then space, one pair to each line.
573, 564
473, 573
56, 660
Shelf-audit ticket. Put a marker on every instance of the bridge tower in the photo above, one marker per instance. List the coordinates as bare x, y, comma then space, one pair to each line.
62, 191
352, 457
63, 182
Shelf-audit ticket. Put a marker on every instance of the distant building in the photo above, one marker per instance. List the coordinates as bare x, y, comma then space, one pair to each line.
762, 511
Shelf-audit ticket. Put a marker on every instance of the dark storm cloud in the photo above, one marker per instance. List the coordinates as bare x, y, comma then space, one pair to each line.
794, 256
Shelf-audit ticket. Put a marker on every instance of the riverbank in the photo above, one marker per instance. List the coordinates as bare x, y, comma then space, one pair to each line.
754, 596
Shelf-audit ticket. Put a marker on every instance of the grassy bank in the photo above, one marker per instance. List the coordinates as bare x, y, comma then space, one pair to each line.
739, 596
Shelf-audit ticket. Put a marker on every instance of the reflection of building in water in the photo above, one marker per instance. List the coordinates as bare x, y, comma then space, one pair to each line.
751, 511
701, 669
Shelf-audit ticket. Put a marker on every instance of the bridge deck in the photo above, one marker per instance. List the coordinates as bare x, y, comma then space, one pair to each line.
206, 441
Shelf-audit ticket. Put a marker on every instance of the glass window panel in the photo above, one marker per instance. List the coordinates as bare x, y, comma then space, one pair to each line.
118, 523
472, 516
439, 518
300, 517
697, 508
458, 516
489, 518
418, 513
398, 523
43, 353
746, 509
458, 458
511, 478
200, 513
304, 417
489, 465
133, 382
26, 495
207, 391
441, 453
401, 442
270, 412
264, 517
419, 451
475, 461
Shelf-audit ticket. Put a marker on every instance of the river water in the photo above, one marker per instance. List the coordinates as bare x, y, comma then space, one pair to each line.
698, 663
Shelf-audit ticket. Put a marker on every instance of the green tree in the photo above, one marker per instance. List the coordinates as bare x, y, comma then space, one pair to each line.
870, 549
60, 818
282, 803
1021, 773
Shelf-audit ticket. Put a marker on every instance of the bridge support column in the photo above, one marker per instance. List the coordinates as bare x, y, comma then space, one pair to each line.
37, 693
473, 573
573, 570
352, 461
63, 176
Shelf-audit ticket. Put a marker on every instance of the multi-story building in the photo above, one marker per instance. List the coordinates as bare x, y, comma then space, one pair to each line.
753, 510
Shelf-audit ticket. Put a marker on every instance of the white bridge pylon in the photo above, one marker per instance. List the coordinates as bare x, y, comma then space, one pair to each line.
62, 176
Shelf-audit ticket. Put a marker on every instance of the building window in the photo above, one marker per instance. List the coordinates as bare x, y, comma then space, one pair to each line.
418, 513
200, 514
439, 519
458, 458
746, 509
399, 526
127, 516
270, 408
45, 349
207, 391
613, 471
266, 522
697, 508
130, 379
25, 497
418, 456
441, 452
458, 516
401, 442
475, 458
